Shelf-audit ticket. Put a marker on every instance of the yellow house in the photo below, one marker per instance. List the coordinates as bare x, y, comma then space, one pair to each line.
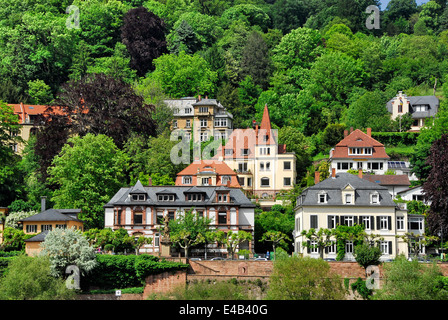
45, 221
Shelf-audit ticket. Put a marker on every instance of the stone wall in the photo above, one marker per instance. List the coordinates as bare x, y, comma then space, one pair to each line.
164, 282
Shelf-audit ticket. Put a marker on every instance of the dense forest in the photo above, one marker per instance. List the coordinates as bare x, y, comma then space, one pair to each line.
314, 63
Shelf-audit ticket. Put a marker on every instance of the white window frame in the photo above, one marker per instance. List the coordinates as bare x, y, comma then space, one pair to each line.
400, 223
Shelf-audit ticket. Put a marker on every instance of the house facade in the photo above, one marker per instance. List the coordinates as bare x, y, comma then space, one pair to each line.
263, 166
48, 219
359, 151
207, 173
142, 210
421, 108
201, 118
347, 199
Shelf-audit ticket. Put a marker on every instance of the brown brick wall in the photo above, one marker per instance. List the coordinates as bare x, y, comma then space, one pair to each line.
164, 282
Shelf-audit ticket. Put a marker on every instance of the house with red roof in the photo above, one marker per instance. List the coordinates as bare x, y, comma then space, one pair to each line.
208, 173
358, 150
263, 166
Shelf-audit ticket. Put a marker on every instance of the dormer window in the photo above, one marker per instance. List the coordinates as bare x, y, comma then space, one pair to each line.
375, 198
194, 197
138, 197
165, 197
222, 198
322, 197
187, 180
348, 198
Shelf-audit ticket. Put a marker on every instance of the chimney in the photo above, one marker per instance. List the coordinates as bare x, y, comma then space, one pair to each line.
199, 97
360, 173
43, 200
316, 177
149, 181
369, 132
345, 133
333, 173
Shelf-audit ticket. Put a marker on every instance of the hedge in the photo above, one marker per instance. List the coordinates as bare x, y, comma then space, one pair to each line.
396, 138
125, 271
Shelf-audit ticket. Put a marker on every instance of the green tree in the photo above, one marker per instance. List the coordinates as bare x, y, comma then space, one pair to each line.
277, 238
188, 230
68, 247
232, 240
367, 254
39, 92
183, 75
297, 278
29, 278
88, 172
410, 280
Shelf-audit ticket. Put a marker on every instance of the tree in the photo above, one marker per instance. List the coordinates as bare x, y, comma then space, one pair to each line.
101, 104
318, 239
88, 172
184, 75
297, 278
39, 92
184, 39
188, 229
410, 280
416, 242
143, 33
435, 188
68, 247
367, 254
29, 278
276, 237
232, 240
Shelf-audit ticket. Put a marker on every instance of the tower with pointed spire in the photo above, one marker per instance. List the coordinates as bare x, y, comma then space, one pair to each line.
263, 166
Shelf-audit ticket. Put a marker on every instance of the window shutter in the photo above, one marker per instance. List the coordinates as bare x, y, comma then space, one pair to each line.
355, 220
308, 246
329, 224
337, 220
372, 222
378, 222
389, 223
390, 247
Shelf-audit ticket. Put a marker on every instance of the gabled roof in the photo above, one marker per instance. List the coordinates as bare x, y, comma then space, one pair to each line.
197, 166
359, 139
137, 188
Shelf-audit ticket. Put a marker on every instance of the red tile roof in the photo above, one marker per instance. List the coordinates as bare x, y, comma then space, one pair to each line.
24, 111
385, 180
203, 166
359, 139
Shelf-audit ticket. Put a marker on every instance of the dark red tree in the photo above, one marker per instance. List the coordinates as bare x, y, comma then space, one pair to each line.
435, 187
97, 104
143, 33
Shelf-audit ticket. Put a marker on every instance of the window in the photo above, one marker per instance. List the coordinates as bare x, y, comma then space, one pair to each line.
46, 227
31, 228
203, 136
332, 248
166, 197
138, 197
375, 199
241, 181
349, 247
313, 247
228, 152
171, 215
174, 123
245, 152
188, 123
222, 217
138, 218
348, 198
332, 222
313, 221
345, 165
375, 165
418, 197
118, 217
348, 221
61, 226
194, 197
249, 182
400, 108
205, 181
415, 223
220, 122
187, 180
360, 151
287, 165
261, 166
384, 223
187, 110
322, 198
242, 167
286, 181
400, 223
366, 221
268, 166
420, 108
156, 239
159, 218
225, 179
386, 247
203, 109
203, 123
265, 182
222, 198
265, 151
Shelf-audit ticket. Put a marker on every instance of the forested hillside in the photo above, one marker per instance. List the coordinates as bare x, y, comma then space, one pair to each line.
313, 62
